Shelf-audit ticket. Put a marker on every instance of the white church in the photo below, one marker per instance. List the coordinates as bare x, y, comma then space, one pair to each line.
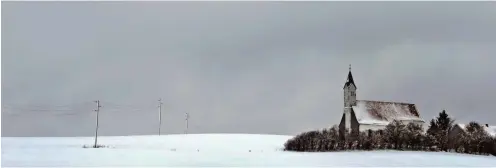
362, 115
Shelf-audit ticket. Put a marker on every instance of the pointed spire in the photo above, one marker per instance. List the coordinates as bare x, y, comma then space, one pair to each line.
349, 80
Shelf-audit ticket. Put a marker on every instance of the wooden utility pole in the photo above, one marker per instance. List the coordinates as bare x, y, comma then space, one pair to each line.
97, 114
159, 115
187, 118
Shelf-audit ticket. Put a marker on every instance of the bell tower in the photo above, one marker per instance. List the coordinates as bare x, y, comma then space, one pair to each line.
349, 99
349, 91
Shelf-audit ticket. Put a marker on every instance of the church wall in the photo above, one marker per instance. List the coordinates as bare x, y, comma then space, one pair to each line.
350, 96
406, 122
371, 127
365, 127
347, 118
349, 100
355, 126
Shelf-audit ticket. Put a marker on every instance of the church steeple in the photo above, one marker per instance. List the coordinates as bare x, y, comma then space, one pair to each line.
349, 81
350, 101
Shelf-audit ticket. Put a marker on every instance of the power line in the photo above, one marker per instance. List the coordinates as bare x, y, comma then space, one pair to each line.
133, 106
83, 108
82, 104
74, 109
20, 111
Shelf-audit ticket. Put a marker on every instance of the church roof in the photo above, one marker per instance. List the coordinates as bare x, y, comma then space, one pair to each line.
491, 130
349, 80
462, 126
382, 113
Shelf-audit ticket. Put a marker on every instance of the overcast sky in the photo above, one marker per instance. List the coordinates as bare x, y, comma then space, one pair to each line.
238, 67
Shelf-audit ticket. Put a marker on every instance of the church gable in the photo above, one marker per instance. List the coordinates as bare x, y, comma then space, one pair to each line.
382, 113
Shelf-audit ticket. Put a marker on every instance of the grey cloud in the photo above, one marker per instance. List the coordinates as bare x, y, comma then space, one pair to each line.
252, 67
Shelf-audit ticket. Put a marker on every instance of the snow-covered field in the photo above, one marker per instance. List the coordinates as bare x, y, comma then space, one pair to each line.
207, 150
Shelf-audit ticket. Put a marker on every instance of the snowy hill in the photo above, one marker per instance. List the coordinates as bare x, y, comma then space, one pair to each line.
207, 150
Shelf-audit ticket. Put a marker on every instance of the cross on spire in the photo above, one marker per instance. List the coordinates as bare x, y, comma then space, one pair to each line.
350, 67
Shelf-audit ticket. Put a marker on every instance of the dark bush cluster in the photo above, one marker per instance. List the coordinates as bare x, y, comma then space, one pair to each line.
475, 141
398, 136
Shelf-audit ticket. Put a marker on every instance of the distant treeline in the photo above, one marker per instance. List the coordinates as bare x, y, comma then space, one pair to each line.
398, 136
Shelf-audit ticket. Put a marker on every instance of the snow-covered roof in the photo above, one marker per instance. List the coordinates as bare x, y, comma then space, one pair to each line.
463, 127
490, 130
382, 113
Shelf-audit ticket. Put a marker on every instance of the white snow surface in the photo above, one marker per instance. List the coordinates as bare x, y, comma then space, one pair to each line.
207, 150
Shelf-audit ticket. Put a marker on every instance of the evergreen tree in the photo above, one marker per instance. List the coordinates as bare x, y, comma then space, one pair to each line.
443, 121
444, 124
433, 128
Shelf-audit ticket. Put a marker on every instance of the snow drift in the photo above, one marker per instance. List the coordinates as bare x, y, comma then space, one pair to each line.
206, 150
